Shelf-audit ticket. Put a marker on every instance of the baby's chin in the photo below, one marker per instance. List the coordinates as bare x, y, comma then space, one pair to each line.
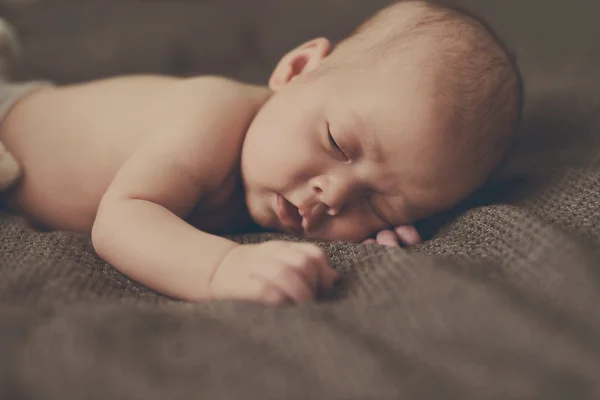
263, 216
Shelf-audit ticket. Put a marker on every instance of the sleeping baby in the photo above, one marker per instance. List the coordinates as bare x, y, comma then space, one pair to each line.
401, 120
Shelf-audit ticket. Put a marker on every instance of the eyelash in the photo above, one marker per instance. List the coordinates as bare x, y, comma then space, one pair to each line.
334, 143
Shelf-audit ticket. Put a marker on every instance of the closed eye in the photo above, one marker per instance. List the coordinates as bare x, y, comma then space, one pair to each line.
334, 144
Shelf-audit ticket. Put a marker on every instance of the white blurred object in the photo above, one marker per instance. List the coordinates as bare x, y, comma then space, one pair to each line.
9, 49
9, 169
9, 53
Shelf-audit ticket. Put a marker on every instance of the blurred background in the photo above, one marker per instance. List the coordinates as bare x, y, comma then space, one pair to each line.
71, 40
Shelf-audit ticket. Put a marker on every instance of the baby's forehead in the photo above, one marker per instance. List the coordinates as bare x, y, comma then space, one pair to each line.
379, 66
388, 102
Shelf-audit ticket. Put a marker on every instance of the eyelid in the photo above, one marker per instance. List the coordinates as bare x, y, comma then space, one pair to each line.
336, 147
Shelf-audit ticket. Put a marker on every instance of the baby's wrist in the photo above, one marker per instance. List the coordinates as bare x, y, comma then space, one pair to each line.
224, 260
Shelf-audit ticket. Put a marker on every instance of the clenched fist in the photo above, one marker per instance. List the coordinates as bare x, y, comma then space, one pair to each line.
273, 273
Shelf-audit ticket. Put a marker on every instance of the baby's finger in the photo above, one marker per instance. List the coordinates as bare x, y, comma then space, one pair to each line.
301, 256
327, 275
387, 238
408, 235
271, 295
323, 272
258, 289
369, 241
291, 282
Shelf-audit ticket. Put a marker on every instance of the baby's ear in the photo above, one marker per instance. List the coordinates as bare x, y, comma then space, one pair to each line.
299, 61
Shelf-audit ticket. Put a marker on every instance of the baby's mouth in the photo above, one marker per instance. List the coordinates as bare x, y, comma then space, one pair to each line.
288, 215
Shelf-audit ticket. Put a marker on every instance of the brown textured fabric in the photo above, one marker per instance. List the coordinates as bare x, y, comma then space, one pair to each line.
500, 303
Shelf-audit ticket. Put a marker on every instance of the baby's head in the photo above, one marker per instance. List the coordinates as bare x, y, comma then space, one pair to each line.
403, 119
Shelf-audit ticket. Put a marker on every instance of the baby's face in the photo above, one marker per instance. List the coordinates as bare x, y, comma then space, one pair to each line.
355, 150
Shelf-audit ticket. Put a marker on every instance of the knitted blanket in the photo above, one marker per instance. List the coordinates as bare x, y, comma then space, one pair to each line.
501, 302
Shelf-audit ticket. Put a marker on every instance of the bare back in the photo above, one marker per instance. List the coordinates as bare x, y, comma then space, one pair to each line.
71, 141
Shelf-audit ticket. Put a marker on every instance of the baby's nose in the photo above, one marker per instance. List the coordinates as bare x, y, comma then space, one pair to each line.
333, 192
337, 199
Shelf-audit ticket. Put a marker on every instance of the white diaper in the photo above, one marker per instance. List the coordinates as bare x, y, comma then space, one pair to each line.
10, 93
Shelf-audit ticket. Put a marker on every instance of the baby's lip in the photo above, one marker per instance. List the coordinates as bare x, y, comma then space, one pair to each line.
288, 215
309, 215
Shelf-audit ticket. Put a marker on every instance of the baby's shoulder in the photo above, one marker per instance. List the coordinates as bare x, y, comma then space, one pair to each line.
217, 101
221, 90
207, 118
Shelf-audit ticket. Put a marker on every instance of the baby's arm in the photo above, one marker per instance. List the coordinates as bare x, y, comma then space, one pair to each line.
140, 229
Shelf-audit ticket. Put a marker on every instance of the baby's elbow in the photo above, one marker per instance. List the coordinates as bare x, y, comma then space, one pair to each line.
100, 238
103, 233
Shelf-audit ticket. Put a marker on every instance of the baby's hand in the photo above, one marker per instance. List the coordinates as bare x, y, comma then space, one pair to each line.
273, 273
405, 235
